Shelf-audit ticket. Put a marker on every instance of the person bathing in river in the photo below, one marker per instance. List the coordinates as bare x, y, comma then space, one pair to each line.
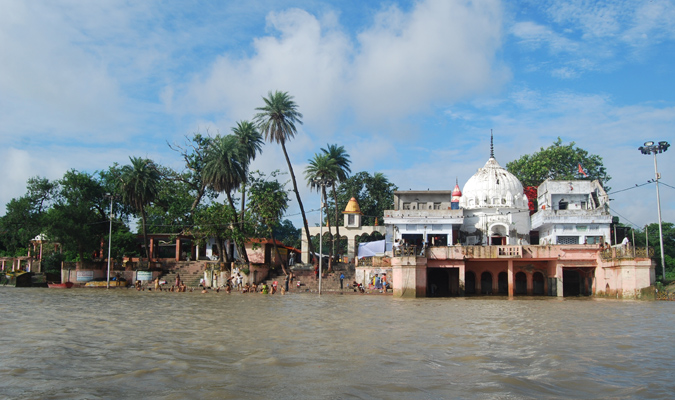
264, 289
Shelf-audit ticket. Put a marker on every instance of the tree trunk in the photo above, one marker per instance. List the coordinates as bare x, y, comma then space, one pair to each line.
241, 247
331, 252
145, 235
302, 209
221, 251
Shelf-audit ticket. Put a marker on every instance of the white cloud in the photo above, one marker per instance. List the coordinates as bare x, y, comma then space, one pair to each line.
438, 52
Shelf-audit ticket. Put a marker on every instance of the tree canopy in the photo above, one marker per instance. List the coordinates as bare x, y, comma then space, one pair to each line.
559, 162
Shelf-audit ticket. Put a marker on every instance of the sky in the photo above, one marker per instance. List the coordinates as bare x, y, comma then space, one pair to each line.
411, 89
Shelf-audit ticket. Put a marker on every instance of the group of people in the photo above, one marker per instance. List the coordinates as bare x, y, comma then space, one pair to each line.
380, 283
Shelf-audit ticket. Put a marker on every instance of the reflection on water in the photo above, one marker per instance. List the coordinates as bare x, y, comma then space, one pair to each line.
93, 343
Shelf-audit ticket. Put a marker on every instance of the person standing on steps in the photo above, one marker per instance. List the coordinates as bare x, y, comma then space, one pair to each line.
342, 278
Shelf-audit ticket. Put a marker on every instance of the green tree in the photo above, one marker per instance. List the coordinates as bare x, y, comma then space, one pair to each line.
277, 120
668, 243
268, 202
224, 171
138, 185
194, 152
171, 211
374, 194
250, 143
78, 218
24, 216
341, 172
320, 172
558, 162
288, 234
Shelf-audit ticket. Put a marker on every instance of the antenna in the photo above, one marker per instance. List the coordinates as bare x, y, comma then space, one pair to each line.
492, 147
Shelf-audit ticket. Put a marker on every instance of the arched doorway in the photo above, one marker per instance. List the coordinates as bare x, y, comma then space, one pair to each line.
521, 283
486, 283
498, 235
538, 284
503, 283
469, 283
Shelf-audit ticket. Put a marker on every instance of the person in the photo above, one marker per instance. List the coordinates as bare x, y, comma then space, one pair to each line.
254, 287
291, 259
384, 282
157, 283
274, 287
264, 289
177, 279
342, 278
240, 281
288, 279
316, 272
625, 242
378, 282
397, 248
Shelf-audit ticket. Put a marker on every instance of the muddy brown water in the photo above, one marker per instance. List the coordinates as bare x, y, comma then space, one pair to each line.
112, 344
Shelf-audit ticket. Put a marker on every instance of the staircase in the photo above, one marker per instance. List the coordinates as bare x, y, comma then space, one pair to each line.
189, 274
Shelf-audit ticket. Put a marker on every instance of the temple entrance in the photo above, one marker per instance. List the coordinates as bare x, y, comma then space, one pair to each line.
521, 283
538, 284
486, 283
442, 282
469, 283
571, 283
503, 283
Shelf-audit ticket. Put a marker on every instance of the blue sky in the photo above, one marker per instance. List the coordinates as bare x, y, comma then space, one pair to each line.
411, 89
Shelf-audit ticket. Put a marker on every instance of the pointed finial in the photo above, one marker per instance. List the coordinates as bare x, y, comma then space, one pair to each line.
456, 181
492, 147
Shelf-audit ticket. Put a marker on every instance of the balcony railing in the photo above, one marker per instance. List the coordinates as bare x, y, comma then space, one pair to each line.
407, 251
625, 252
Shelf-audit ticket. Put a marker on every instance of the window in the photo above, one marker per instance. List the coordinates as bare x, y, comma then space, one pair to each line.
437, 206
583, 205
593, 239
568, 239
582, 228
562, 205
350, 219
406, 206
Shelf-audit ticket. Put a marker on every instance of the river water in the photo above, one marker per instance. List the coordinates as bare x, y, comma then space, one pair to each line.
112, 344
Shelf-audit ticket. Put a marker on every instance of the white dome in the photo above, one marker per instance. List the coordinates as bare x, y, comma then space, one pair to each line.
493, 187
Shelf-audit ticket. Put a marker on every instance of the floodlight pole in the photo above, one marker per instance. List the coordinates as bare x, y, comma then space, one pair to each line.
660, 147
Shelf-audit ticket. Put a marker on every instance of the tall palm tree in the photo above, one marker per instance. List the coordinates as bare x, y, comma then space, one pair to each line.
250, 144
321, 172
342, 171
277, 120
139, 184
224, 170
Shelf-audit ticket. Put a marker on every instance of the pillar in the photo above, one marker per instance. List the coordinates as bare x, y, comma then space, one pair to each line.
177, 249
510, 277
409, 276
351, 247
559, 281
304, 255
151, 249
530, 283
462, 275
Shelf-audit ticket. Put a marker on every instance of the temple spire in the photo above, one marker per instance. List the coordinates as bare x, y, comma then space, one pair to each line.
492, 147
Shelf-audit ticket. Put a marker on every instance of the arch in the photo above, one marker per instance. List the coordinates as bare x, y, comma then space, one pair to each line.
538, 288
503, 283
486, 283
469, 283
521, 283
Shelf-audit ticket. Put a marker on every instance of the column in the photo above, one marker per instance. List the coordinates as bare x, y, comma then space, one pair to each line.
351, 247
510, 277
530, 283
559, 281
304, 248
177, 249
151, 250
462, 275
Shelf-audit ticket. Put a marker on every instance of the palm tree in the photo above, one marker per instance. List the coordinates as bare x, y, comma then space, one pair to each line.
139, 184
342, 170
319, 173
276, 120
224, 170
250, 143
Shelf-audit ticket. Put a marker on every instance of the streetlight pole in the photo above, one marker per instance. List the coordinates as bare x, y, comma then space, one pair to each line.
109, 239
649, 148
